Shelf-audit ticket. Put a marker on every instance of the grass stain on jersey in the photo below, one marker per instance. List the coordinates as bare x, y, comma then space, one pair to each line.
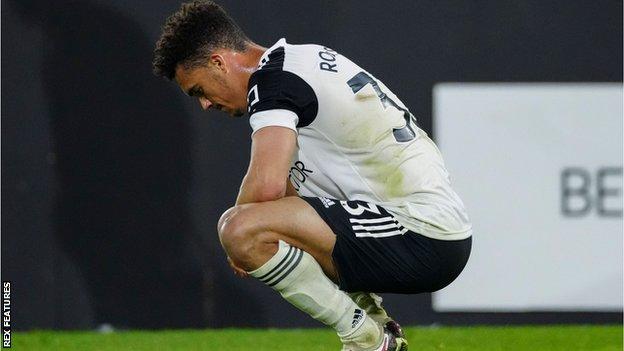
360, 136
389, 175
394, 186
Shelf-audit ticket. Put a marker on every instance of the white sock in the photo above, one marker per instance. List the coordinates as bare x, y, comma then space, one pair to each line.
297, 276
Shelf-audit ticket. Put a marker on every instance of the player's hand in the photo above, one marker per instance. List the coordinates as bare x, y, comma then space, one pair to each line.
237, 270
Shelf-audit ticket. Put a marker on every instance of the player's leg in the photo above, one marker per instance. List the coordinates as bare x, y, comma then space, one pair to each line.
286, 245
374, 252
250, 233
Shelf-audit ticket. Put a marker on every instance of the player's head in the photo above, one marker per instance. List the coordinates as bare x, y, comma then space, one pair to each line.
203, 50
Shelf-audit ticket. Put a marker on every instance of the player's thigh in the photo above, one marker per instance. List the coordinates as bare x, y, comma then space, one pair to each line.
290, 219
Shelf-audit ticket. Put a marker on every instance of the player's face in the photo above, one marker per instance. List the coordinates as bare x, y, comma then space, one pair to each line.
215, 87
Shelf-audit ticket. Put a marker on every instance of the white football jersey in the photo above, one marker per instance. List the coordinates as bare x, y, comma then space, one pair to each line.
356, 139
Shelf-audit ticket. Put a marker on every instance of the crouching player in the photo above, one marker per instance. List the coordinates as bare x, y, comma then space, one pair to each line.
344, 195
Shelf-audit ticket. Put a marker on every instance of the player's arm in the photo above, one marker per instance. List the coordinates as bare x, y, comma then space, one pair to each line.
279, 102
272, 148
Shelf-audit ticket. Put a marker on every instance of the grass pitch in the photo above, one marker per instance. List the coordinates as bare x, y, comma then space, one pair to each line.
420, 338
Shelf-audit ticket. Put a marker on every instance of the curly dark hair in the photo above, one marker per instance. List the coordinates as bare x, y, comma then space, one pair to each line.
191, 34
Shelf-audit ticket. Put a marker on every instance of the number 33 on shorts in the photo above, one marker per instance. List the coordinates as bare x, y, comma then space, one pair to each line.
361, 207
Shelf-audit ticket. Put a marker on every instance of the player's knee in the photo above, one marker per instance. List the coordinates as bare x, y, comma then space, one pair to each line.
230, 226
235, 231
241, 237
225, 218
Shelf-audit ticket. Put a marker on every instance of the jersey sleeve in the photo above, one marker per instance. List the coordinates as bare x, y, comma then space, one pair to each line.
280, 98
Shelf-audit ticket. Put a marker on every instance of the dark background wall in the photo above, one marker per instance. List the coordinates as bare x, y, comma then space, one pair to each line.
112, 180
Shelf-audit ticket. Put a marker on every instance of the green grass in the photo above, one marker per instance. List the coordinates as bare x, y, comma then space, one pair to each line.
420, 338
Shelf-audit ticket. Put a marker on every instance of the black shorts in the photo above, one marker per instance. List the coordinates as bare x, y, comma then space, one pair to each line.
374, 253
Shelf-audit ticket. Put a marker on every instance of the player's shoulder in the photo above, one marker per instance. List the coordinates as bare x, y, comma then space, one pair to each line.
272, 71
273, 58
283, 56
279, 84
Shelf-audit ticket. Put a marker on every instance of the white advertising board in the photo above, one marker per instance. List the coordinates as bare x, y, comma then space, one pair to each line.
539, 168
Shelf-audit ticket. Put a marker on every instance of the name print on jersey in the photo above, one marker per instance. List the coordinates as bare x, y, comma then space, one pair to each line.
297, 175
328, 56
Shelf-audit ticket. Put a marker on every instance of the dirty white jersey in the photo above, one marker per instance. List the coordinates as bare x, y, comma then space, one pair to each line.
356, 140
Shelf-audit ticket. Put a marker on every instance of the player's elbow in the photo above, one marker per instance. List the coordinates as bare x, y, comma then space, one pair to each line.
270, 190
261, 189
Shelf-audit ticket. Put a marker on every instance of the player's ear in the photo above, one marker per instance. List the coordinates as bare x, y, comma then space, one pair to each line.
217, 62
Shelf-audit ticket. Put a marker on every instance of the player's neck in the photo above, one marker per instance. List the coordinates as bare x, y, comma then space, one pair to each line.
243, 63
251, 57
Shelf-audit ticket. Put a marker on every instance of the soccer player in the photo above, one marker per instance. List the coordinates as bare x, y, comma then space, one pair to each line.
344, 195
